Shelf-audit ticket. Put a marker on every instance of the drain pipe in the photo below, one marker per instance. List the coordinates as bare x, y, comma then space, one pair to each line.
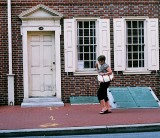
10, 75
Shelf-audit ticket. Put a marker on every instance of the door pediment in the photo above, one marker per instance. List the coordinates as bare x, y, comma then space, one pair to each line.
40, 12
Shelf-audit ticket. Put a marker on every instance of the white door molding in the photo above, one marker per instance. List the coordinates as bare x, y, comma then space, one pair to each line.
41, 18
25, 30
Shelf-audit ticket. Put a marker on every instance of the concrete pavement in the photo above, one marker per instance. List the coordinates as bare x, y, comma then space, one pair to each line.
75, 119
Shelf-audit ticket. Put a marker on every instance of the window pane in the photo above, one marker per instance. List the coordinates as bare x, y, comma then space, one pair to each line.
80, 33
141, 40
135, 32
81, 48
129, 55
86, 64
141, 48
135, 48
80, 40
141, 63
92, 56
135, 63
141, 32
129, 48
86, 48
80, 25
129, 40
129, 24
141, 55
92, 32
86, 24
86, 56
92, 24
86, 40
135, 55
93, 64
134, 24
81, 56
129, 63
135, 40
86, 32
129, 32
92, 40
141, 25
91, 49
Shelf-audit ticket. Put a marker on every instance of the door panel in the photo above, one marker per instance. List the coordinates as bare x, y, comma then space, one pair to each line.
36, 82
47, 56
35, 55
41, 69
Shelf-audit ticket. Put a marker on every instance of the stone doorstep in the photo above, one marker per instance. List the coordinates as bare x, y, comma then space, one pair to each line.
41, 102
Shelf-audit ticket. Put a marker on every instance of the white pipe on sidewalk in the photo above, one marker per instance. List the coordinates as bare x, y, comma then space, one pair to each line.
10, 75
9, 37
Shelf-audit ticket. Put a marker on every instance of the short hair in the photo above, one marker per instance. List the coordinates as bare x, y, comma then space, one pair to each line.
101, 58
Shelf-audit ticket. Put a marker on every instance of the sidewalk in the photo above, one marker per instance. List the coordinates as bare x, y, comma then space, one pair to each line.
74, 119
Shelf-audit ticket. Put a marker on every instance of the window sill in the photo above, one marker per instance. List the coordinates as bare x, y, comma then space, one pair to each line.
137, 72
85, 73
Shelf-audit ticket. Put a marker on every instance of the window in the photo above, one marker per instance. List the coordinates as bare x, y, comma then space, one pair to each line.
86, 44
136, 48
135, 44
84, 40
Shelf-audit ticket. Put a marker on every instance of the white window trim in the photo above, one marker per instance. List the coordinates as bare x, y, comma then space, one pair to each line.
144, 69
102, 25
84, 71
137, 72
147, 28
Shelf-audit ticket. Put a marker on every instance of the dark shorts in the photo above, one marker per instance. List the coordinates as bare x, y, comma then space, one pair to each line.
102, 91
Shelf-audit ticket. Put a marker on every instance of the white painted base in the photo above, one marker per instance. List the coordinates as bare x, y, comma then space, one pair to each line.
11, 89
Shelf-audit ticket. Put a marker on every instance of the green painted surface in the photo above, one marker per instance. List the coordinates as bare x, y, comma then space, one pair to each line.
143, 97
122, 97
130, 97
83, 99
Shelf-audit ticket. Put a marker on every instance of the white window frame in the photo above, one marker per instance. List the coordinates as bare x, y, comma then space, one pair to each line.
70, 43
96, 26
151, 45
145, 47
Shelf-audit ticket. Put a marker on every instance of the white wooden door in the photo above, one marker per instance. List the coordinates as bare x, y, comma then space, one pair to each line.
41, 58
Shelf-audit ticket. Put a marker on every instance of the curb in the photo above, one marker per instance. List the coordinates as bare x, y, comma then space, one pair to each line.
81, 130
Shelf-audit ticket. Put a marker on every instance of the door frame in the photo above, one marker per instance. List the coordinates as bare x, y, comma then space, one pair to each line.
24, 32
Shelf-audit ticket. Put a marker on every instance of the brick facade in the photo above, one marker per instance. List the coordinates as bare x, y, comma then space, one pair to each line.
72, 85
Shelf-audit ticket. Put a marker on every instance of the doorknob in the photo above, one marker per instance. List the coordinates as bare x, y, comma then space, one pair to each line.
51, 69
53, 62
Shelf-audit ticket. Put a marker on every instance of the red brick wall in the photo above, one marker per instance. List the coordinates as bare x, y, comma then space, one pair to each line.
3, 55
72, 85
